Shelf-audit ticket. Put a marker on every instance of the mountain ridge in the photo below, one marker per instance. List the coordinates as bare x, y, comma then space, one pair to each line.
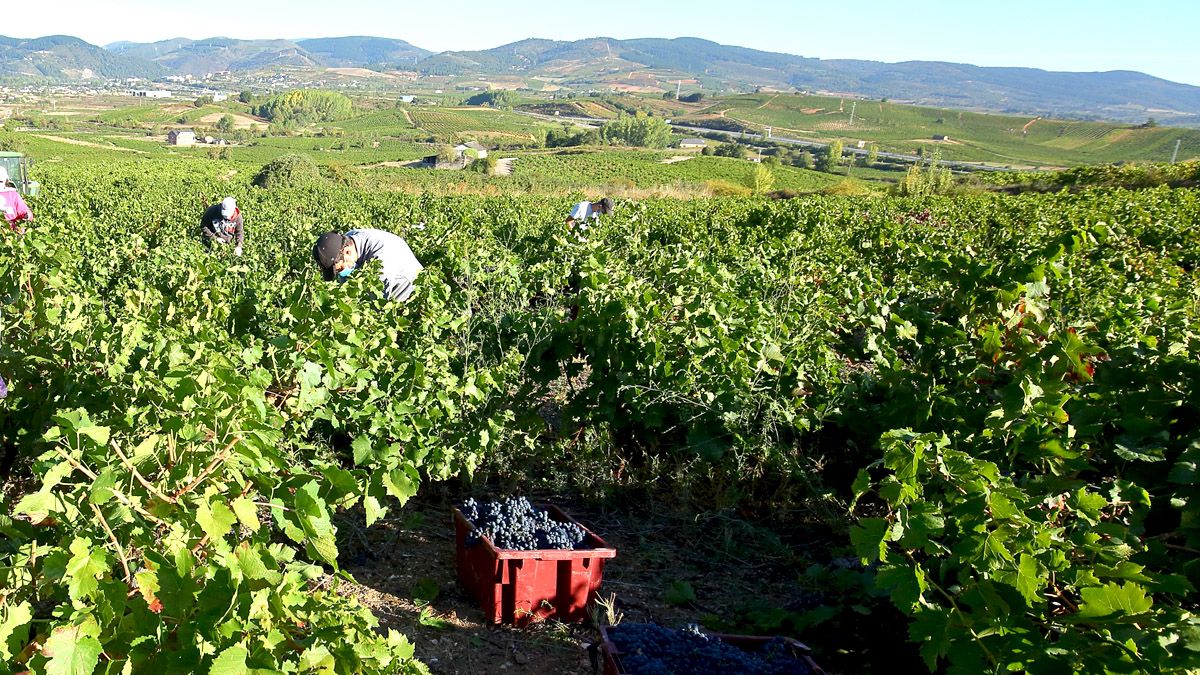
64, 57
639, 64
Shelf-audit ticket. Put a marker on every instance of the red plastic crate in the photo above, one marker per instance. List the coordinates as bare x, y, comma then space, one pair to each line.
751, 643
520, 587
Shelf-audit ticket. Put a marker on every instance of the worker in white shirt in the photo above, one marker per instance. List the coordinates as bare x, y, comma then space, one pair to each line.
585, 213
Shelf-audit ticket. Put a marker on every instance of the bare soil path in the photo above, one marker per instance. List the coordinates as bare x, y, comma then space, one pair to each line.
768, 102
404, 556
89, 144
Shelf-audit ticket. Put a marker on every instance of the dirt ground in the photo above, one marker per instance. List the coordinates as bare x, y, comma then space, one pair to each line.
239, 121
360, 72
405, 556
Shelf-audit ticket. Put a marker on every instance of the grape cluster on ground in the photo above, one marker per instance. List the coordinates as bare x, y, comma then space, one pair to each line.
650, 649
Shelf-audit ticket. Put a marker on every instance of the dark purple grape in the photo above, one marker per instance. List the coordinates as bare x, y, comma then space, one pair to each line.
649, 649
517, 525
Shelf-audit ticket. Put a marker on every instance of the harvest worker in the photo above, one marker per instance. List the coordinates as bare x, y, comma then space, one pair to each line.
222, 223
585, 211
14, 208
338, 255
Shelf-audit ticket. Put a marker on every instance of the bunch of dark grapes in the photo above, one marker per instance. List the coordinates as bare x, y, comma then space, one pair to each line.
649, 649
516, 525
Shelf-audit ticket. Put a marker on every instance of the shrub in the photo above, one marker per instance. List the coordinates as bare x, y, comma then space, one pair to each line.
763, 180
933, 180
723, 188
847, 188
486, 166
343, 174
288, 171
11, 144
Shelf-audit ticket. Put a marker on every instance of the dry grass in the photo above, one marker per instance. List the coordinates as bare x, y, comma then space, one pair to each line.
239, 121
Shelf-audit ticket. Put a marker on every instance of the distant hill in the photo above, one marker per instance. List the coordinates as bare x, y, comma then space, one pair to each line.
1117, 95
531, 56
364, 52
65, 58
182, 56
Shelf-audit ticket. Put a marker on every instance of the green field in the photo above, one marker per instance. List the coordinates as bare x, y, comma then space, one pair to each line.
646, 169
996, 139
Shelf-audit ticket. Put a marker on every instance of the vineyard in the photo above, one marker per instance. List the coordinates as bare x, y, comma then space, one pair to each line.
989, 404
1003, 139
642, 168
450, 125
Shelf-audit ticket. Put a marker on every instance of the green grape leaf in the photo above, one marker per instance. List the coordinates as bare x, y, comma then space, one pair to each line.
71, 651
14, 629
1113, 599
247, 513
400, 484
98, 434
905, 583
317, 659
870, 538
232, 661
84, 568
319, 538
251, 562
363, 450
375, 499
1028, 579
37, 506
215, 519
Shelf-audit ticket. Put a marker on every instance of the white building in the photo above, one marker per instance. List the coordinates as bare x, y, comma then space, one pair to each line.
181, 137
152, 93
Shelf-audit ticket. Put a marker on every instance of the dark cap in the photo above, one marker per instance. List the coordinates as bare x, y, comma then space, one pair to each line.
606, 204
327, 251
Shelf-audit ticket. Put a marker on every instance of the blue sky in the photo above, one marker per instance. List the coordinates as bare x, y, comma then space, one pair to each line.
1159, 37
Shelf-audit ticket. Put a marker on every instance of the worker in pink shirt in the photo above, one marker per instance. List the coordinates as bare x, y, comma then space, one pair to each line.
14, 208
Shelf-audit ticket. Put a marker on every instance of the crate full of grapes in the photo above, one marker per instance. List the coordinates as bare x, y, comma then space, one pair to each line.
526, 562
650, 649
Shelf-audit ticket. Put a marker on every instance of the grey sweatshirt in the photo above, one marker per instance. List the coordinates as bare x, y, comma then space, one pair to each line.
400, 266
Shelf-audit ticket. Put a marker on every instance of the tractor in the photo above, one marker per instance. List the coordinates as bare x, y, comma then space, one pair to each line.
18, 166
